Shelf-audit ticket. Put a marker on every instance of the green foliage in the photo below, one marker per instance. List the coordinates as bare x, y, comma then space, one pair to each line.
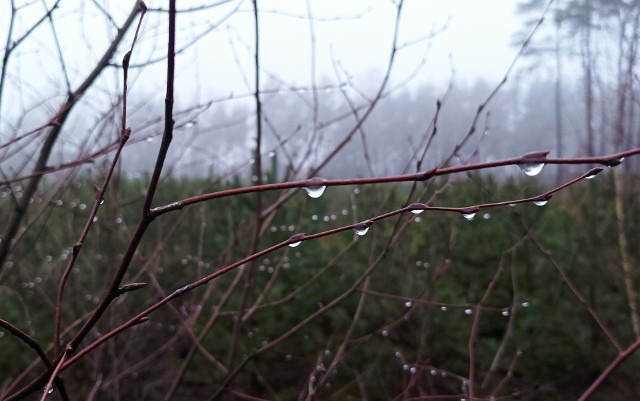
440, 259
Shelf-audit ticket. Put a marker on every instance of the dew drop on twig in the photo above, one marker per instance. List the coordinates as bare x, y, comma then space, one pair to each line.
533, 168
362, 228
417, 208
470, 212
592, 173
469, 216
296, 240
315, 187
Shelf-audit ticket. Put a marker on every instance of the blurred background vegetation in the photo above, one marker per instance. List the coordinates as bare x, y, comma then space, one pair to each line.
414, 322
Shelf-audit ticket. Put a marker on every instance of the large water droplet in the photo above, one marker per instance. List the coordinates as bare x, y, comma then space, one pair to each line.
444, 308
505, 312
533, 168
315, 187
434, 372
408, 304
385, 333
417, 208
468, 311
50, 390
362, 228
296, 240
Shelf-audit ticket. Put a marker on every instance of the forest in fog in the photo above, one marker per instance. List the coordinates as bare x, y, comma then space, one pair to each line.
319, 200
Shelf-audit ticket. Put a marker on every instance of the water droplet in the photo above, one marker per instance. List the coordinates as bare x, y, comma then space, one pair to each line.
419, 263
288, 357
102, 202
469, 216
593, 172
315, 187
444, 308
614, 162
82, 206
362, 228
531, 169
468, 311
540, 202
505, 312
398, 354
118, 220
190, 124
486, 216
50, 390
408, 304
434, 372
405, 367
525, 304
413, 370
314, 217
534, 168
272, 154
470, 212
150, 139
385, 333
417, 208
296, 240
356, 190
274, 229
1, 334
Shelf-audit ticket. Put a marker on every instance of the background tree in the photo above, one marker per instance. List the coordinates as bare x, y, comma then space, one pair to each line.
407, 271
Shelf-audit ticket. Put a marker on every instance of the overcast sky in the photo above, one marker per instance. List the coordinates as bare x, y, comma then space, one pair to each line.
471, 36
